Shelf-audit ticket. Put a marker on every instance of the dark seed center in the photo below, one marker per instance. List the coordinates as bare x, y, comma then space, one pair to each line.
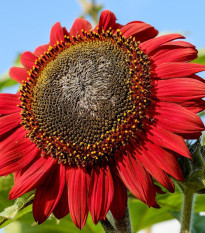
82, 94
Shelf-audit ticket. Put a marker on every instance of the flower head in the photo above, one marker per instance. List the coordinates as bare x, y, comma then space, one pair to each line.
99, 112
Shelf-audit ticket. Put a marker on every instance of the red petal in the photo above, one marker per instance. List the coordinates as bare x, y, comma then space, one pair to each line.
152, 44
28, 60
62, 209
8, 103
57, 34
65, 32
177, 69
164, 160
32, 178
174, 55
177, 119
166, 139
168, 46
14, 137
78, 186
20, 172
152, 168
119, 201
178, 44
195, 106
41, 49
9, 122
107, 20
140, 30
48, 194
137, 180
18, 157
179, 89
79, 25
18, 74
159, 190
7, 135
100, 193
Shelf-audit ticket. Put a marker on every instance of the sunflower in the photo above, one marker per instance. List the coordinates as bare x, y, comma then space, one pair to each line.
99, 112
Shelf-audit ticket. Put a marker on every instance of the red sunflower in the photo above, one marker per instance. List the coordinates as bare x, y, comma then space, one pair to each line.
99, 112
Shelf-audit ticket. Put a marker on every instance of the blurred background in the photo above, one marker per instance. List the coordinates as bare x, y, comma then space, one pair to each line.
24, 25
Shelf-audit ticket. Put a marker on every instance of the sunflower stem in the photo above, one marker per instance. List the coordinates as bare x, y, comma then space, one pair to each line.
187, 211
124, 225
107, 226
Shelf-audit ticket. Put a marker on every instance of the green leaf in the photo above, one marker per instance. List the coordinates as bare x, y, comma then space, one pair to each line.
6, 184
201, 57
51, 225
198, 223
21, 207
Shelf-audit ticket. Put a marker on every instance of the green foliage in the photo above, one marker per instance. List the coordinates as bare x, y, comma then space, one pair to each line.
65, 225
6, 184
20, 207
201, 57
142, 216
198, 223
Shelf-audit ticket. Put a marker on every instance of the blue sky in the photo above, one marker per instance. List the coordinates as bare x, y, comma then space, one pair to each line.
26, 24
